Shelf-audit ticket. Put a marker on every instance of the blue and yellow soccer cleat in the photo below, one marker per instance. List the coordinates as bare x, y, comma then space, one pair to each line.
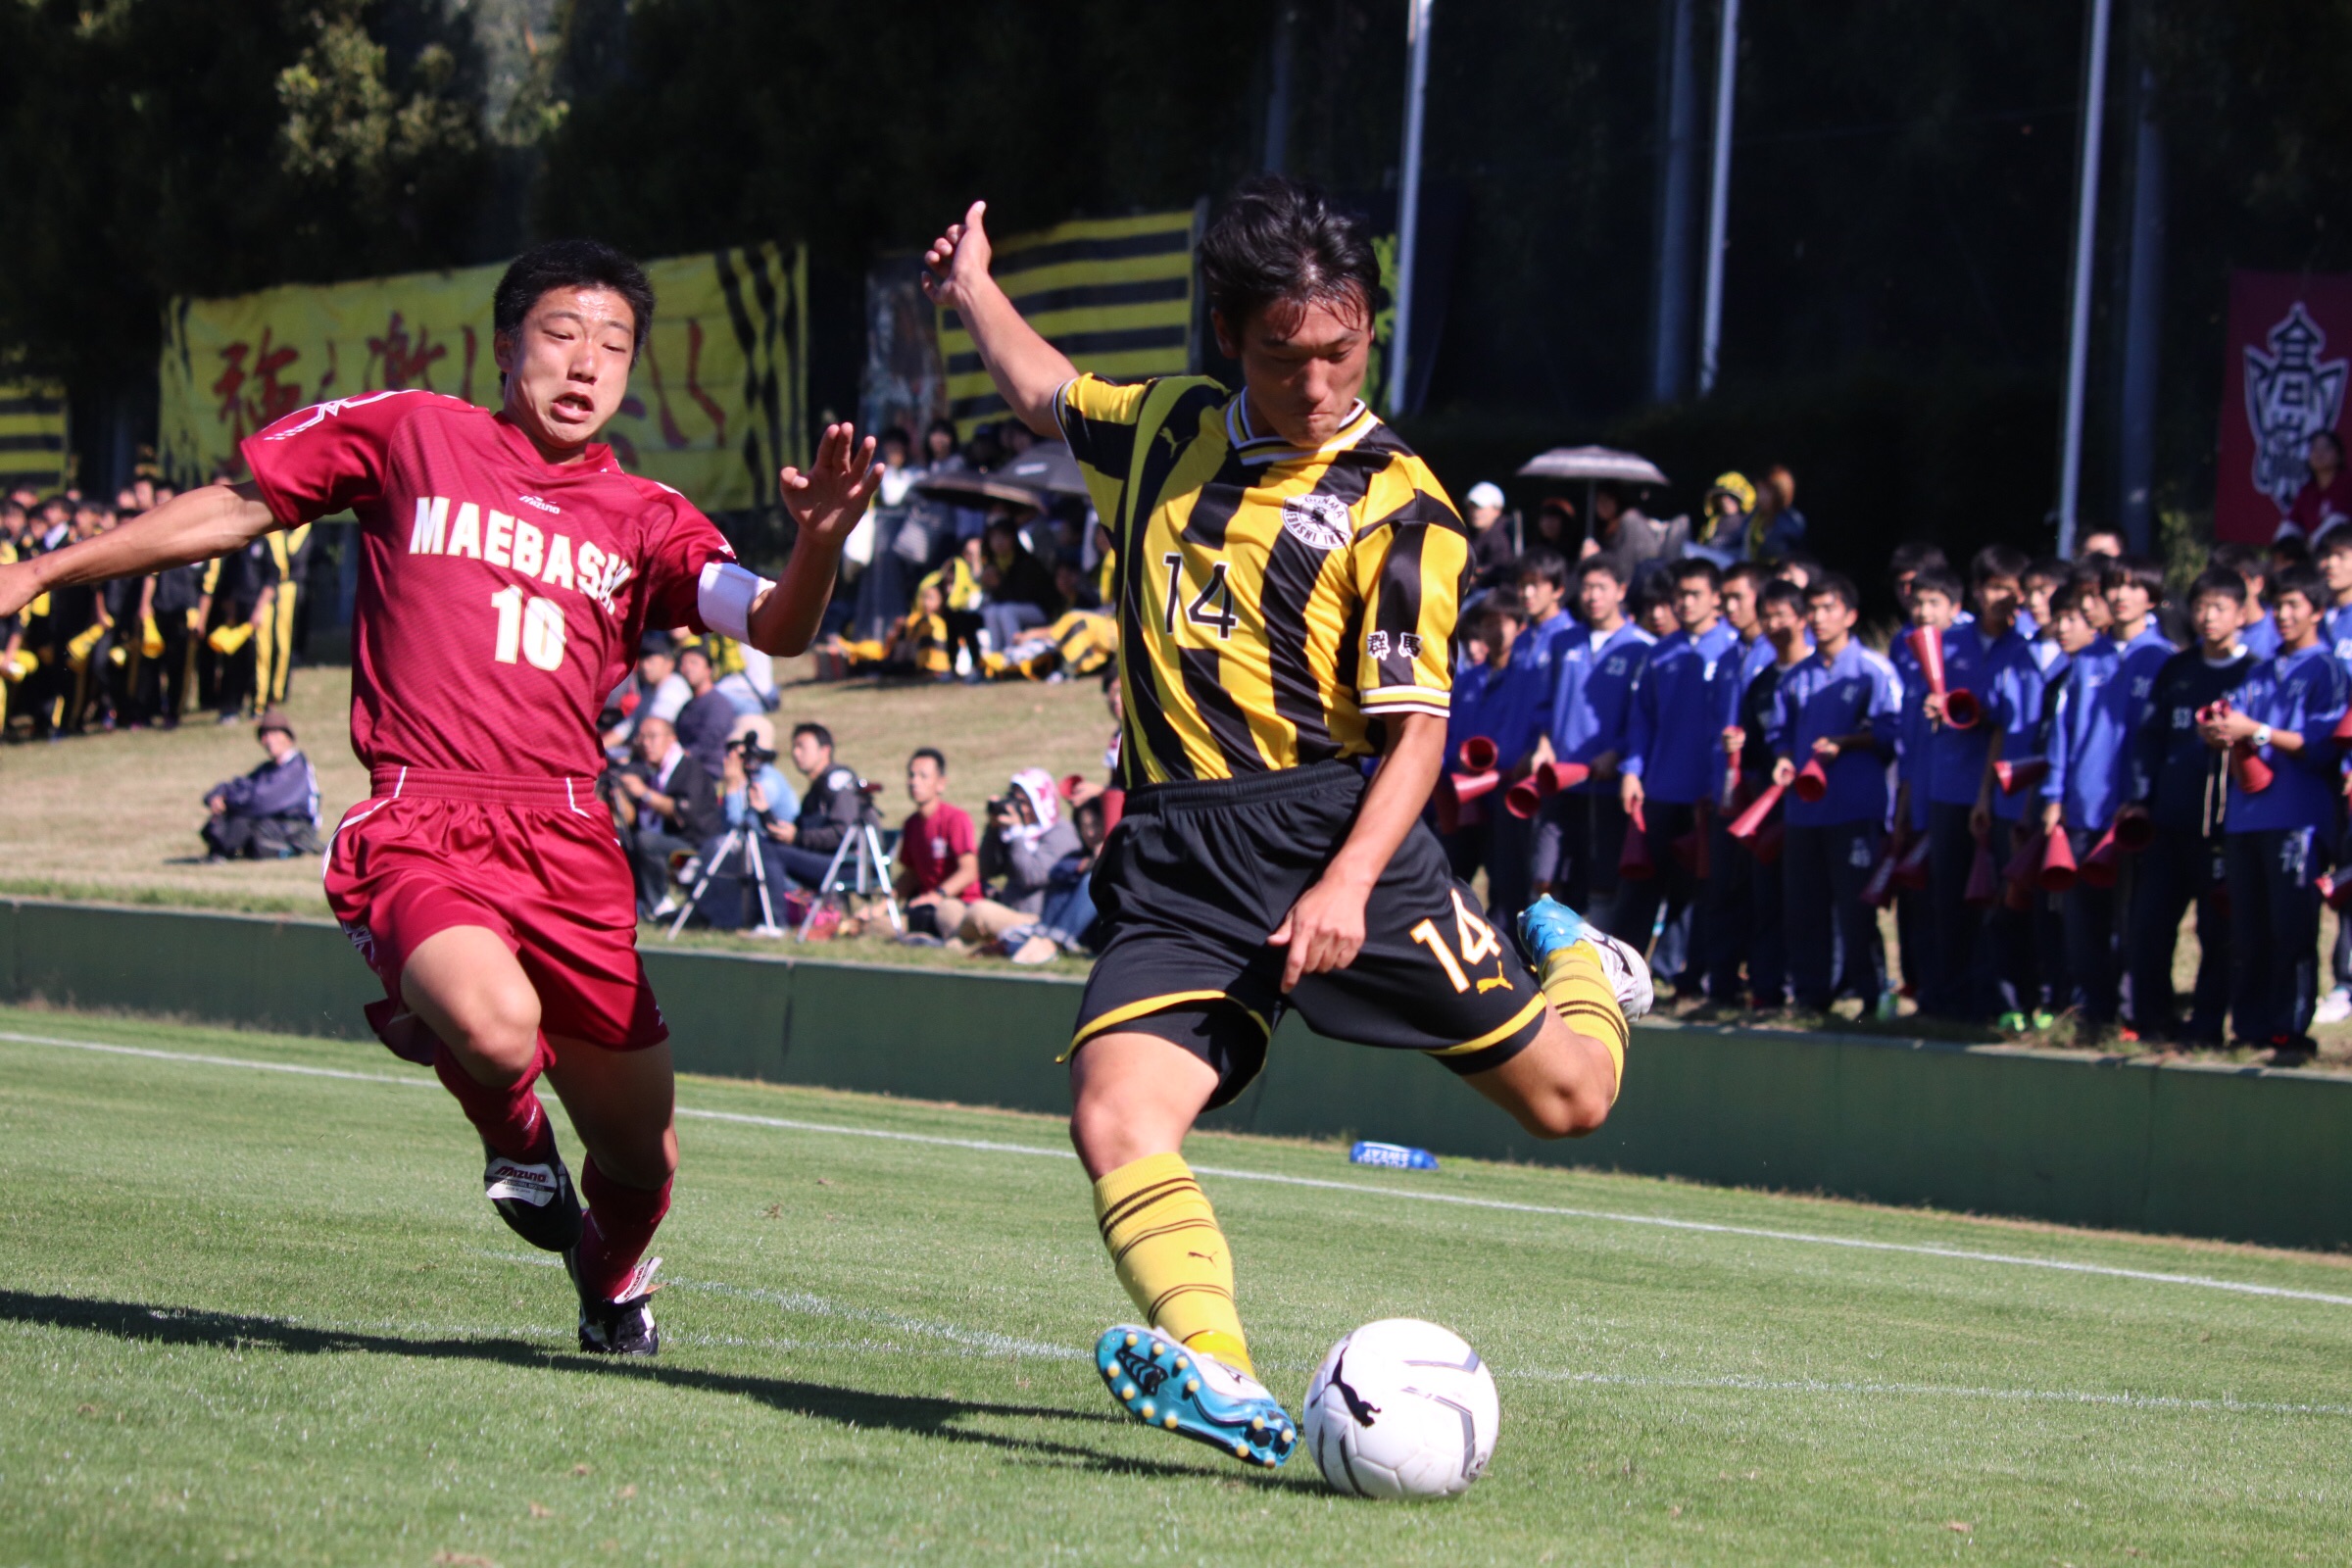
1163, 1382
1546, 925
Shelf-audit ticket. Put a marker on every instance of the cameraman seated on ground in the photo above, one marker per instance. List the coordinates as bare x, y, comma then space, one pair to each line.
1029, 835
653, 690
1065, 921
270, 814
836, 805
663, 805
938, 855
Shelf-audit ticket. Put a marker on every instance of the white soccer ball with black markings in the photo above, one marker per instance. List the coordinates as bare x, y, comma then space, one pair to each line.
1402, 1409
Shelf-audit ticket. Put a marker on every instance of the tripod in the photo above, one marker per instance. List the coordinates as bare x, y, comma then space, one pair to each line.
861, 845
738, 841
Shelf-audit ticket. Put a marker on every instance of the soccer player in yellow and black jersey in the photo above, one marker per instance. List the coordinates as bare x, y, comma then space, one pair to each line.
1286, 591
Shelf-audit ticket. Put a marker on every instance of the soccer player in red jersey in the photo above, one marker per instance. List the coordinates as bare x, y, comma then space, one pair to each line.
507, 568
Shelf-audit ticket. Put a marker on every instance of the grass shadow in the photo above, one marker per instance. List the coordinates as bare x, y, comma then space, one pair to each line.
920, 1415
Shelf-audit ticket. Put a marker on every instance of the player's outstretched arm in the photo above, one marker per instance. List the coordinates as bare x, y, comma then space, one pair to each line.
826, 503
1325, 928
1027, 370
195, 525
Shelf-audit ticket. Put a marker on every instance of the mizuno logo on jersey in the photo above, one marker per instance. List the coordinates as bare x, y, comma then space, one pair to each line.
518, 545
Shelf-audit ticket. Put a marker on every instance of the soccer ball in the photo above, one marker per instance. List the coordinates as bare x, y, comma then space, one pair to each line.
1402, 1409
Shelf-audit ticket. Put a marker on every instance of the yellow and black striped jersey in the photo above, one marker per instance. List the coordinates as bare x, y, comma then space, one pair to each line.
1272, 601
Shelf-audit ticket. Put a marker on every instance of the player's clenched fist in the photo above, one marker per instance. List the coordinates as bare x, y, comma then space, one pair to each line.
957, 257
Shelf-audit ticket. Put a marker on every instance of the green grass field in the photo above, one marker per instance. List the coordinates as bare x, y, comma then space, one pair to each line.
255, 1310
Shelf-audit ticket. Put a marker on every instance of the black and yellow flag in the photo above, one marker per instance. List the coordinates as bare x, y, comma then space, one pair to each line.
1115, 294
32, 438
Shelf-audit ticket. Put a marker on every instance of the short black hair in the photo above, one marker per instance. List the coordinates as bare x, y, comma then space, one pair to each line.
1547, 564
1279, 239
2136, 572
1754, 572
571, 264
1780, 591
939, 759
895, 433
822, 735
2048, 569
1691, 567
1604, 561
1915, 555
2218, 580
2336, 537
2247, 561
1798, 561
1999, 561
2303, 580
1938, 579
1835, 585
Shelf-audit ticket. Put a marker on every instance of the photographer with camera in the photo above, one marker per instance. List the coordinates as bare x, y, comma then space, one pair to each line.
836, 805
663, 805
1029, 836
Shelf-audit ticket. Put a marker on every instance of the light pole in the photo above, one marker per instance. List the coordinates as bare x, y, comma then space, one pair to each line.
1719, 195
2087, 219
1408, 199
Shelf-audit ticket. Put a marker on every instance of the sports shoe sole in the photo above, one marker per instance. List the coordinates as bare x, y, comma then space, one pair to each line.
1154, 1379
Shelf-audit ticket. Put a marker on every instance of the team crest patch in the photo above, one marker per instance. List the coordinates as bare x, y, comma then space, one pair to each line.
1320, 522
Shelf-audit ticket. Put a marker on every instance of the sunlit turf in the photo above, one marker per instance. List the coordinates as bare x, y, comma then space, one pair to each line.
258, 1315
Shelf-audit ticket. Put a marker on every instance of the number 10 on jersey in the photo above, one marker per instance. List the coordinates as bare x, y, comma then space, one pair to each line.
532, 628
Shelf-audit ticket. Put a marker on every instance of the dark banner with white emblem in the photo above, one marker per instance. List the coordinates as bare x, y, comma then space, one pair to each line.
2288, 355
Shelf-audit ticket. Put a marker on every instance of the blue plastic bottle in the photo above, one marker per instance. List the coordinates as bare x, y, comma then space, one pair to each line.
1396, 1157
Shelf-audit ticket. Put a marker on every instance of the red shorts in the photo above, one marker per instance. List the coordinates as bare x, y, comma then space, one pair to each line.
533, 860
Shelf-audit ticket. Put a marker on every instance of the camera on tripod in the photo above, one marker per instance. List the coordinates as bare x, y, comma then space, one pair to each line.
755, 755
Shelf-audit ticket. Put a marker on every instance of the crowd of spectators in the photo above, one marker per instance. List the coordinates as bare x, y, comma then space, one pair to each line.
1676, 728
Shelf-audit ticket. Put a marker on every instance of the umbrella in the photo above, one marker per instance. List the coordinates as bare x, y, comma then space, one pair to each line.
1046, 468
966, 485
1592, 465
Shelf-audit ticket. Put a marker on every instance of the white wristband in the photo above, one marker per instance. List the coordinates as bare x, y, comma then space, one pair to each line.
725, 598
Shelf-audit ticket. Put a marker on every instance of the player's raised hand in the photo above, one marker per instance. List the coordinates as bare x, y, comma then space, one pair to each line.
959, 256
829, 498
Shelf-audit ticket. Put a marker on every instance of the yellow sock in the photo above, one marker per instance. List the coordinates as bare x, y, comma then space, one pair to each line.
1580, 992
1164, 1242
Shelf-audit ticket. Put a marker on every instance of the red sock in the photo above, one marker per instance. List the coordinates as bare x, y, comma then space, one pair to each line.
620, 1228
509, 1118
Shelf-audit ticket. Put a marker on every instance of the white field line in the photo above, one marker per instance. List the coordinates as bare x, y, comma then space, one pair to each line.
1605, 1216
1931, 1390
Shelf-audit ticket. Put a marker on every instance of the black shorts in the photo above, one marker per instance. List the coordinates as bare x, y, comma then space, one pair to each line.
1196, 876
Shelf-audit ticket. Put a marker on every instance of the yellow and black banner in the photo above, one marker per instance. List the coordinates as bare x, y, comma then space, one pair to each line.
1115, 294
716, 404
32, 438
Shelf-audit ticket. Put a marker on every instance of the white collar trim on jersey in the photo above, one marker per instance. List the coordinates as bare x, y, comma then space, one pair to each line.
1254, 449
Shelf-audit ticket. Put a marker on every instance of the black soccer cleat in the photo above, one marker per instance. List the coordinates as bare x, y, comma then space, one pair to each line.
535, 1197
624, 1325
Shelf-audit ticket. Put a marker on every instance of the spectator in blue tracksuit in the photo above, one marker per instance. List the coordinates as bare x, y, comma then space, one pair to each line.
2015, 687
1725, 897
1492, 628
1840, 708
2287, 711
1581, 831
2100, 706
1517, 705
1955, 773
2332, 553
1759, 911
2178, 784
2252, 562
1674, 766
1913, 935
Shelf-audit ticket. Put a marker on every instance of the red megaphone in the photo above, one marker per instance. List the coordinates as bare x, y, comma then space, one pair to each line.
1478, 754
1983, 882
2105, 859
1457, 795
1634, 863
1749, 823
1766, 844
2336, 894
2135, 831
1114, 806
2251, 773
2343, 729
2058, 871
1812, 782
1961, 709
1911, 872
1553, 777
2021, 774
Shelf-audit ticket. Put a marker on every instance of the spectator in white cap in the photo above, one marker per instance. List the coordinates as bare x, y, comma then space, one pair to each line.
1493, 552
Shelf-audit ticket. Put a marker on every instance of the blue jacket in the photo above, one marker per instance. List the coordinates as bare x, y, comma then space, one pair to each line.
1594, 689
282, 789
2014, 693
1518, 699
1913, 733
2261, 638
1465, 714
2173, 766
2304, 692
2087, 743
1954, 764
1856, 693
1674, 735
2335, 633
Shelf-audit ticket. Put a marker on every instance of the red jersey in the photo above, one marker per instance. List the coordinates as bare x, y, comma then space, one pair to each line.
2316, 510
500, 596
929, 847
